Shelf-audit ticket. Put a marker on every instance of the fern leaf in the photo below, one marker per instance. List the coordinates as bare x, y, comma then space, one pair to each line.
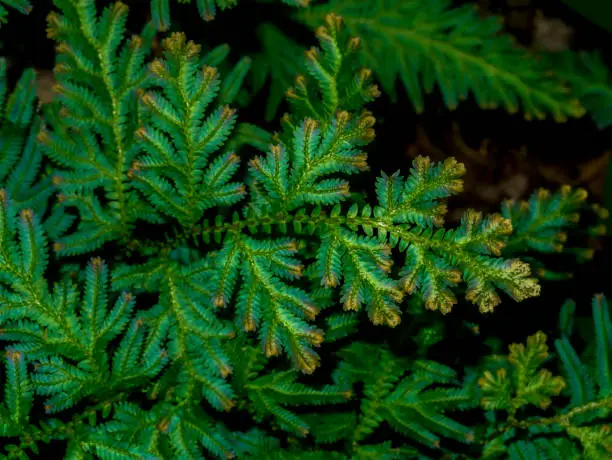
97, 73
426, 43
184, 317
18, 391
403, 400
23, 6
207, 9
589, 79
60, 329
526, 384
603, 340
21, 156
541, 223
265, 300
176, 172
294, 173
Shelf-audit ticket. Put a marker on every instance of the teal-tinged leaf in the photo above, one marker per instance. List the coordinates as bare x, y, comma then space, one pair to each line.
603, 343
23, 6
589, 80
281, 62
580, 384
426, 42
566, 318
18, 390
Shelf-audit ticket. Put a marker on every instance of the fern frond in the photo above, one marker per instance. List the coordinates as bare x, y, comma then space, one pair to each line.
21, 156
164, 431
580, 423
427, 43
295, 172
59, 329
266, 301
207, 9
589, 80
23, 6
185, 319
176, 172
400, 397
298, 173
89, 131
18, 395
272, 394
524, 383
542, 222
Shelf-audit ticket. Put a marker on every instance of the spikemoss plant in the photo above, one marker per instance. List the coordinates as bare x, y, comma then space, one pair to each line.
194, 265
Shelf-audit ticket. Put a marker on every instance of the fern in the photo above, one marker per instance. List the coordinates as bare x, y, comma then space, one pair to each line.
181, 179
323, 140
207, 9
18, 400
183, 317
404, 400
426, 44
23, 6
95, 88
58, 328
589, 79
253, 258
546, 222
20, 155
512, 388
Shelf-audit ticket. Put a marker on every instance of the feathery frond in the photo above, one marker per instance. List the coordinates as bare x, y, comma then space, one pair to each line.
20, 155
427, 44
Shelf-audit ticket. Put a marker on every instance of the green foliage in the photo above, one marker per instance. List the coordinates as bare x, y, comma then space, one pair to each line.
279, 61
544, 222
589, 79
526, 384
89, 132
179, 178
66, 332
21, 175
429, 44
160, 9
105, 149
425, 43
399, 393
580, 426
23, 6
245, 248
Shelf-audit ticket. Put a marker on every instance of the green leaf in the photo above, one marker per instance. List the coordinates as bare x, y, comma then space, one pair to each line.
426, 43
589, 80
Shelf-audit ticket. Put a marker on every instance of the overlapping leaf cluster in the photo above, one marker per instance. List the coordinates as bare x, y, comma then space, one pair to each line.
427, 44
23, 6
207, 9
22, 175
545, 222
576, 431
209, 275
